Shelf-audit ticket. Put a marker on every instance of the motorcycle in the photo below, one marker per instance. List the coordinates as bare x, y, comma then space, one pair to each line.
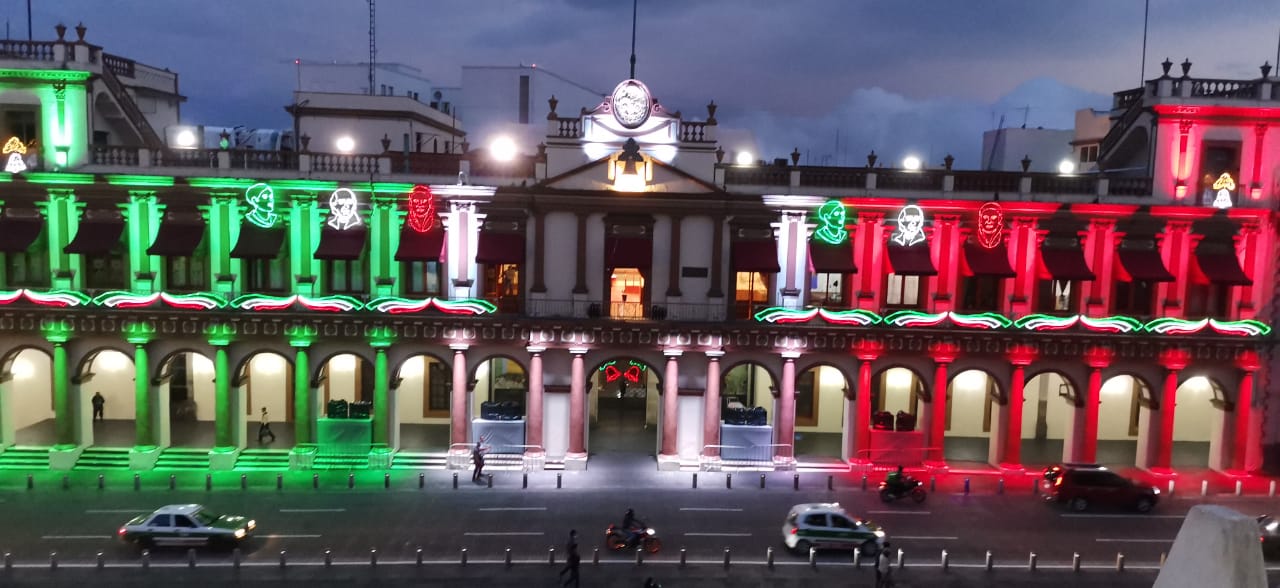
908, 486
617, 539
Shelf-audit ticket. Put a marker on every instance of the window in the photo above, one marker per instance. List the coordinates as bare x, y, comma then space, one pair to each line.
827, 290
1057, 296
840, 522
106, 272
188, 274
345, 276
1088, 153
502, 286
22, 124
902, 291
160, 521
751, 293
807, 399
739, 387
1208, 301
181, 521
1217, 158
30, 268
980, 294
438, 380
815, 520
626, 293
268, 275
1135, 298
422, 278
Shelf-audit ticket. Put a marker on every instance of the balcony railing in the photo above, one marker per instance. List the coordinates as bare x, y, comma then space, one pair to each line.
757, 176
106, 155
204, 158
626, 311
980, 181
35, 50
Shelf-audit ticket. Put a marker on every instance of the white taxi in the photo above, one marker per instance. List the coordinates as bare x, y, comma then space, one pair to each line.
187, 525
828, 526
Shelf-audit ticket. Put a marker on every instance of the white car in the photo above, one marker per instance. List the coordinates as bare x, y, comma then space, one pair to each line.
186, 525
828, 526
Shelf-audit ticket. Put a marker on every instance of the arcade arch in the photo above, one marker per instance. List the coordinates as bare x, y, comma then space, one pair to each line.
422, 388
30, 419
625, 406
971, 411
186, 393
1047, 407
110, 373
1200, 424
821, 408
265, 380
1120, 418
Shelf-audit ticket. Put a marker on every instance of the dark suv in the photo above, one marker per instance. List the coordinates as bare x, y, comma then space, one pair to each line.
1081, 485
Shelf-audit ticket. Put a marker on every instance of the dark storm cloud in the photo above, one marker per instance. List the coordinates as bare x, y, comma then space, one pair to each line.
929, 76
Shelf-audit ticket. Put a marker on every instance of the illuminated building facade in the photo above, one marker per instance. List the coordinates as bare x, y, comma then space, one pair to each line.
626, 273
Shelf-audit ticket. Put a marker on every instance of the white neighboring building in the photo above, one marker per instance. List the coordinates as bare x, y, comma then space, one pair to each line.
1091, 126
1004, 149
361, 124
390, 79
512, 101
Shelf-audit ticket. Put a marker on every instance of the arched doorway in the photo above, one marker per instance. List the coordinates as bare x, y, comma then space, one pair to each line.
747, 407
820, 415
1120, 422
498, 408
266, 381
423, 387
626, 407
970, 411
1048, 400
109, 373
1200, 425
30, 399
897, 429
187, 393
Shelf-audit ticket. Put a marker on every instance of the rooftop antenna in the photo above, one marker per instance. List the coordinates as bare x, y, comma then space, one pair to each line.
373, 42
29, 20
1142, 71
633, 38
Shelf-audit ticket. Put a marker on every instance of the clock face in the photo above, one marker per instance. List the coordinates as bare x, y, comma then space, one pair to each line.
631, 104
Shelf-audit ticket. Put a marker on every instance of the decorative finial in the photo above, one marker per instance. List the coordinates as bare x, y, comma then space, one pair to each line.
61, 29
711, 112
719, 154
871, 158
80, 30
795, 156
1026, 163
552, 102
947, 161
1186, 67
1166, 65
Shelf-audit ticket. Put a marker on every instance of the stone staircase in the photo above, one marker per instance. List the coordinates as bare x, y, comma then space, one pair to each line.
419, 460
25, 458
263, 460
183, 458
103, 458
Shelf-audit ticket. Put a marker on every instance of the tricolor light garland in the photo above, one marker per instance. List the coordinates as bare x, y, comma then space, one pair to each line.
1033, 322
121, 300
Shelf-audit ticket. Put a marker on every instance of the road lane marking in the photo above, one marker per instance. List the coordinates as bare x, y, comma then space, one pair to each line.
295, 510
1109, 540
1120, 516
511, 508
508, 534
277, 536
115, 511
920, 538
717, 534
709, 509
94, 537
905, 512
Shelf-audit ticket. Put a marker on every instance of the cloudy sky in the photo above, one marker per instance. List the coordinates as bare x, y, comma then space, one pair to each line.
924, 76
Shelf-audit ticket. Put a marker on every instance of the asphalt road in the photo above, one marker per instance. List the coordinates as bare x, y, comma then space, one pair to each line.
80, 522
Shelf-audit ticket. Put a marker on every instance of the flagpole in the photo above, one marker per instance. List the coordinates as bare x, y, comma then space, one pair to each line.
1146, 13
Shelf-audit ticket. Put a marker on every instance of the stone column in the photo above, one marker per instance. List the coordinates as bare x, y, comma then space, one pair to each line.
1020, 357
459, 410
670, 453
867, 351
302, 403
1246, 451
1173, 361
577, 406
58, 333
381, 396
1097, 358
943, 354
711, 405
786, 417
139, 335
533, 416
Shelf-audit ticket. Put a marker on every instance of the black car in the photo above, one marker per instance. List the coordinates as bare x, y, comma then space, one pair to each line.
1269, 534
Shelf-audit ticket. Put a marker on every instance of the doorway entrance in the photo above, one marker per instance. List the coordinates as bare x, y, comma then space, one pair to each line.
625, 407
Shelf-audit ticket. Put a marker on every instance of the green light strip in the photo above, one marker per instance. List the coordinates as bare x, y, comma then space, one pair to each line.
46, 75
58, 178
138, 180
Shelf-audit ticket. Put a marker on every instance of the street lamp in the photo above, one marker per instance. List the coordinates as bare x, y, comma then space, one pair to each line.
503, 149
744, 158
1066, 168
911, 163
345, 144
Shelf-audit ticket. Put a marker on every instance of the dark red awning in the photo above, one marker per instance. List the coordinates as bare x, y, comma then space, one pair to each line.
1065, 263
415, 246
912, 261
341, 244
500, 248
832, 259
1221, 266
179, 235
96, 235
1144, 265
258, 243
756, 256
992, 262
19, 229
636, 252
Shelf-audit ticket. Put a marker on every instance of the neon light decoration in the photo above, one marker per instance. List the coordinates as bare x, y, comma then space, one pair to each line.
262, 199
1111, 324
15, 149
54, 298
397, 305
1046, 322
990, 225
344, 210
854, 317
982, 320
1225, 185
421, 214
631, 374
264, 303
831, 217
1246, 328
915, 318
910, 229
197, 301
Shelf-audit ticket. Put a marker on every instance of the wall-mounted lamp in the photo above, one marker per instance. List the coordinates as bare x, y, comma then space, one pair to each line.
1180, 190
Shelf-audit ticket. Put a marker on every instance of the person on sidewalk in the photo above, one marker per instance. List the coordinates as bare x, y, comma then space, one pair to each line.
477, 459
572, 545
264, 427
884, 568
572, 561
99, 403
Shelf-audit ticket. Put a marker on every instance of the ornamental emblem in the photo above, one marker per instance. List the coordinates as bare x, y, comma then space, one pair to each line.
631, 104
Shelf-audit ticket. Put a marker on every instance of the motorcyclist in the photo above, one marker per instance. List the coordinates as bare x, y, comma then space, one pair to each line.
895, 481
631, 525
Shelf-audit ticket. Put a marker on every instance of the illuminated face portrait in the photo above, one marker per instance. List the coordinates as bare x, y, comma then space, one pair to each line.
910, 226
422, 208
990, 225
343, 209
831, 217
262, 200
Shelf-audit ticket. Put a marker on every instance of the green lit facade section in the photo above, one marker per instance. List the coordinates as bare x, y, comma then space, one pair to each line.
62, 96
831, 223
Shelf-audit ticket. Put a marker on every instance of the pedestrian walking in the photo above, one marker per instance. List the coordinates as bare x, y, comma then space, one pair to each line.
264, 427
572, 561
98, 404
477, 459
884, 568
572, 545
